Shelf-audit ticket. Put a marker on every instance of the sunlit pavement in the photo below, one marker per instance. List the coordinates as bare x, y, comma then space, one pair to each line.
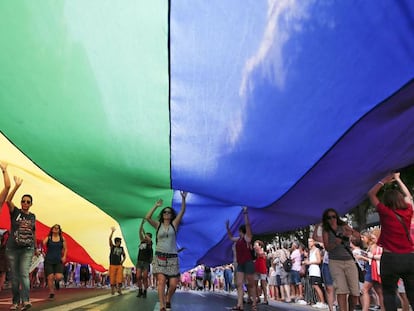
101, 300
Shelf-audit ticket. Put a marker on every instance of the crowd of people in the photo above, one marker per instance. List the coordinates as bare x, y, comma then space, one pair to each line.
337, 267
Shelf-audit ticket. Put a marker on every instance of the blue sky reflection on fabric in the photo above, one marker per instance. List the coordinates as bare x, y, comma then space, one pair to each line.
287, 107
263, 97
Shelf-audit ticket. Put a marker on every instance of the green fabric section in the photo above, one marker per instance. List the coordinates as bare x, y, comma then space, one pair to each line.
84, 93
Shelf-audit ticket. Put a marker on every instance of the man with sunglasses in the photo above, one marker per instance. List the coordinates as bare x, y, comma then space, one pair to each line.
20, 246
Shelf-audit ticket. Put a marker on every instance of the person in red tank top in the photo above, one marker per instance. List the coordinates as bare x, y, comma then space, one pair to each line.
245, 266
397, 260
261, 270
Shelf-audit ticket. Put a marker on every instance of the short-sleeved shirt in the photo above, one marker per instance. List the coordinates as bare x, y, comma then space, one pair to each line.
339, 252
15, 217
393, 236
296, 256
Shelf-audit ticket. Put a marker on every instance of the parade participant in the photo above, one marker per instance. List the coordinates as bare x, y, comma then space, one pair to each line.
145, 256
397, 260
21, 246
116, 259
55, 257
165, 262
245, 265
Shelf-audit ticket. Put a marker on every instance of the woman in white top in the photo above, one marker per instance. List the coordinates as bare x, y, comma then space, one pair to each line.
314, 272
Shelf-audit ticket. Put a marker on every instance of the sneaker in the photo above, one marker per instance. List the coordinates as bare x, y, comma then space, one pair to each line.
14, 306
168, 305
301, 302
51, 296
26, 306
320, 305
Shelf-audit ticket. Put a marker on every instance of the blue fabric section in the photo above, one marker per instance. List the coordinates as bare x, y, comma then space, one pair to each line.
267, 110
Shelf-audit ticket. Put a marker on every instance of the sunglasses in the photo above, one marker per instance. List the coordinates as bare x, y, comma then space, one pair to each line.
331, 217
26, 201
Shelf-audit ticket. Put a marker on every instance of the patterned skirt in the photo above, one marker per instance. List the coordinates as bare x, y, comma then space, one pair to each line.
166, 264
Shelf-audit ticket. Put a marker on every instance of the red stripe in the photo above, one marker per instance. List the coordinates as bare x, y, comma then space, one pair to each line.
76, 253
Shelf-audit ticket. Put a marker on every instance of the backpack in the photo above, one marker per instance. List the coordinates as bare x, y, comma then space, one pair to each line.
23, 235
287, 264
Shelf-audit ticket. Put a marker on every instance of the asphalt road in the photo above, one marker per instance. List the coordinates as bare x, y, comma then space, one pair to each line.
101, 300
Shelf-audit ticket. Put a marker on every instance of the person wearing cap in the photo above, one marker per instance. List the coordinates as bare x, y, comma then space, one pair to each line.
116, 259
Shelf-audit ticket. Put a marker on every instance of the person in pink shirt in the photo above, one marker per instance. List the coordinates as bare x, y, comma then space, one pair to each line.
296, 282
397, 261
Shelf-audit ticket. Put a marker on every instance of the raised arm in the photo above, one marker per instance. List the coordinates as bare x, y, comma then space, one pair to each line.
180, 214
372, 193
229, 234
141, 230
148, 217
6, 179
111, 243
249, 234
408, 196
17, 183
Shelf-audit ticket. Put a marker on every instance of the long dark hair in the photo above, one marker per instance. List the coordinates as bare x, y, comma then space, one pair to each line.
325, 222
394, 199
173, 214
51, 230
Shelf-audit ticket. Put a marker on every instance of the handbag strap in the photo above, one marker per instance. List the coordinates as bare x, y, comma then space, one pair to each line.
405, 227
345, 246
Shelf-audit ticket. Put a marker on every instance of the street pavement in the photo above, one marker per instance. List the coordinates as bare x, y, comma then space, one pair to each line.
100, 299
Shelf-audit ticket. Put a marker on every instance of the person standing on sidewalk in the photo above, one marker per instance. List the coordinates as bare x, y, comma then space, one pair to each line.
21, 246
165, 263
116, 259
145, 256
55, 257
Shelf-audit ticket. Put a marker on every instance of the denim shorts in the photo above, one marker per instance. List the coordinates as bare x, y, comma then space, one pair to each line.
326, 275
295, 277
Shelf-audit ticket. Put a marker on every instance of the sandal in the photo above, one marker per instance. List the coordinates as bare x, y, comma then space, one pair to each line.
26, 306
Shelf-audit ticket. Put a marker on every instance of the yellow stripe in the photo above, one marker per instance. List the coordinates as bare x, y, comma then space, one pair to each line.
54, 203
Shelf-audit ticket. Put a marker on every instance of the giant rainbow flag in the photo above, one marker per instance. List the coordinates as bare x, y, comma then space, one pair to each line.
285, 106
